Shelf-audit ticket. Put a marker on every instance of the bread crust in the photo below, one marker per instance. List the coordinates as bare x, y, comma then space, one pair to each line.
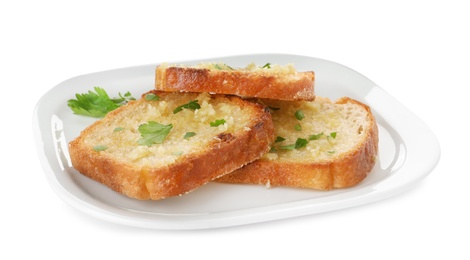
299, 86
346, 171
226, 153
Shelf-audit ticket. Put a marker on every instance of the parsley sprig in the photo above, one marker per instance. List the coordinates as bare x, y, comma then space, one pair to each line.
153, 133
152, 97
98, 103
193, 105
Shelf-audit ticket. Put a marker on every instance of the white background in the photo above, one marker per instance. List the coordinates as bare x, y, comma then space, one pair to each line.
416, 50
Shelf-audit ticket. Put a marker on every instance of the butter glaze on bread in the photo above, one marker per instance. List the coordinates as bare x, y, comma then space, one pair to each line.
277, 82
178, 165
326, 163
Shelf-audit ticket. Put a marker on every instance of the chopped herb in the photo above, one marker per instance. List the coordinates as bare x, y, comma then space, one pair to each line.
299, 143
100, 148
222, 66
193, 105
218, 122
117, 129
153, 133
315, 137
299, 114
267, 66
152, 97
189, 135
287, 147
272, 150
97, 104
298, 127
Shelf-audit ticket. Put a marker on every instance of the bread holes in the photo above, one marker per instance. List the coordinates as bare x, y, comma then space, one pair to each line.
359, 130
225, 137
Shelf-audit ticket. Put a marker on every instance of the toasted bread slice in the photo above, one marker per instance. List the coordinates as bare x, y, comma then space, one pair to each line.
149, 163
273, 81
327, 145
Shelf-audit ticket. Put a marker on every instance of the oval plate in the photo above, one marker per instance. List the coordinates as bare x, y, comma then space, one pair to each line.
404, 158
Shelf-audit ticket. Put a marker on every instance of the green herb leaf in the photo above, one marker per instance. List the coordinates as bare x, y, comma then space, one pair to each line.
287, 147
315, 137
218, 122
189, 135
153, 133
299, 114
100, 148
152, 97
123, 99
299, 143
272, 150
117, 129
333, 134
96, 104
267, 66
298, 127
126, 98
222, 66
193, 105
279, 139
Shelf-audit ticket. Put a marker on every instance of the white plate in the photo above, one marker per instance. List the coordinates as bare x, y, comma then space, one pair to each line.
405, 158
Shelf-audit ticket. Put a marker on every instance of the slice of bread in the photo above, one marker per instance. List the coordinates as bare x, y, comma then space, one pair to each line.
142, 160
327, 145
273, 81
